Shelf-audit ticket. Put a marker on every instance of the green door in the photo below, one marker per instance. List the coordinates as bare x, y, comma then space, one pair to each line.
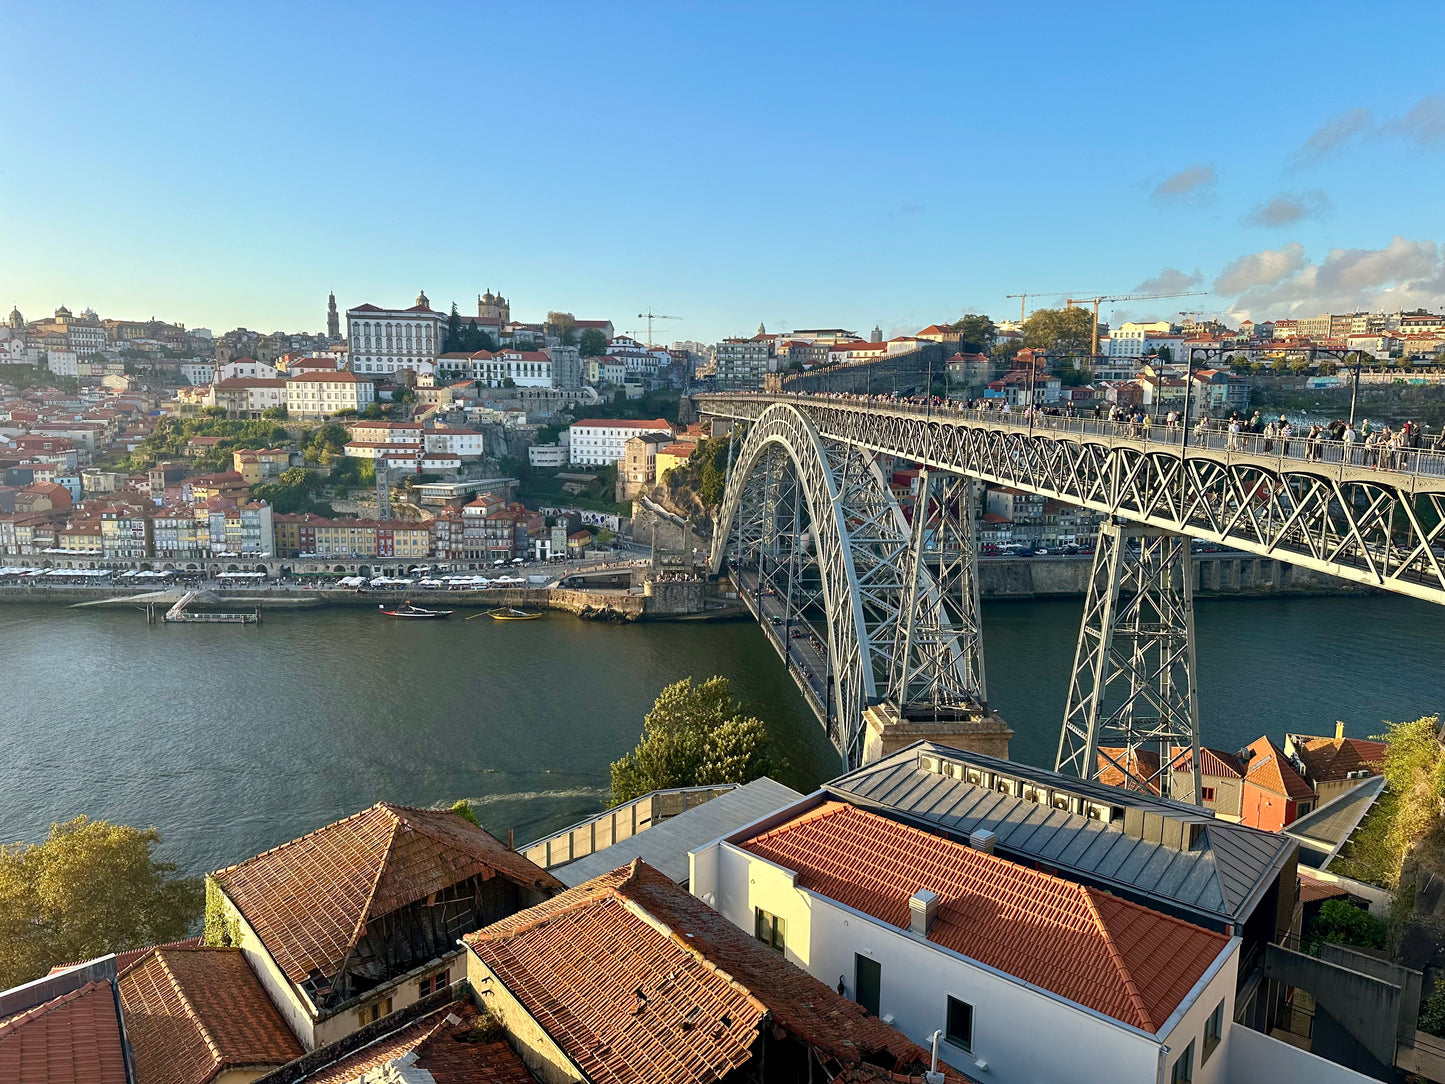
867, 981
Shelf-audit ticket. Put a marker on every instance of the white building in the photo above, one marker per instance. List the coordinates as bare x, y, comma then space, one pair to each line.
198, 372
524, 368
387, 340
547, 456
242, 368
1129, 339
318, 395
1028, 976
465, 443
599, 441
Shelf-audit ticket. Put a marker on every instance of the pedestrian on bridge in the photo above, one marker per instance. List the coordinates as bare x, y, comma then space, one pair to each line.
1285, 431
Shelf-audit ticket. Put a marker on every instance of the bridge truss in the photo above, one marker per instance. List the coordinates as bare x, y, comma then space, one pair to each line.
808, 500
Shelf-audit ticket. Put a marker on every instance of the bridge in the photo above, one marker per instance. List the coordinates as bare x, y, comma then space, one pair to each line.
875, 607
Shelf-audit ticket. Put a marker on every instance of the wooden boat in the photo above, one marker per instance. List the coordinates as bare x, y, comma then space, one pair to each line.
407, 609
511, 613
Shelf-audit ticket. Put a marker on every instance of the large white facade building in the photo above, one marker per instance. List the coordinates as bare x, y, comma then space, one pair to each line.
524, 368
1130, 339
319, 395
599, 441
383, 341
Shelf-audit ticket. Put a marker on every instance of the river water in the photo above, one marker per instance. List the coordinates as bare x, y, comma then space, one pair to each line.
233, 739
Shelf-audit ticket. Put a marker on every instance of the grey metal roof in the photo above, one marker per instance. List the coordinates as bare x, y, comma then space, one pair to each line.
1325, 830
665, 846
1222, 877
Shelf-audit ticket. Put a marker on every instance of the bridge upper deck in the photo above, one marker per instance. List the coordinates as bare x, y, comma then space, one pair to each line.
1408, 470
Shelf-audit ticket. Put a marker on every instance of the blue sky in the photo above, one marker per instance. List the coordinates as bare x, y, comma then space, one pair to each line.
796, 164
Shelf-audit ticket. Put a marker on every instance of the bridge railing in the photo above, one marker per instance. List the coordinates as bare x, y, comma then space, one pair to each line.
1215, 436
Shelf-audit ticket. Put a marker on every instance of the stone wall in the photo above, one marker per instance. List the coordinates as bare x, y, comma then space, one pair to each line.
1216, 574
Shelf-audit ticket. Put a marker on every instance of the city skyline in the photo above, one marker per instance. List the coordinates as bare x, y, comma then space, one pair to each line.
799, 167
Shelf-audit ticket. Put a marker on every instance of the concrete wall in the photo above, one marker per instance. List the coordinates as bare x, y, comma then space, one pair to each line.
1215, 574
822, 937
1255, 1058
535, 1047
403, 990
901, 372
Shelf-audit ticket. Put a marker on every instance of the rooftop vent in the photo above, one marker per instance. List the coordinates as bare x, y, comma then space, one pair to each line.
981, 839
922, 909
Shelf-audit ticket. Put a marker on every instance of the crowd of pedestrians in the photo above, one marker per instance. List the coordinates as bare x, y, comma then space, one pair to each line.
1377, 447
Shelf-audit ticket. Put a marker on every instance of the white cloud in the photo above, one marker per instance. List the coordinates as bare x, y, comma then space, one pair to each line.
1260, 269
1288, 208
1194, 184
1403, 274
1170, 280
1330, 134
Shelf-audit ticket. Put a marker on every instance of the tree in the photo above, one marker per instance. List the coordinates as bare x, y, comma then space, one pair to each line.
693, 736
1067, 330
976, 333
1005, 351
463, 809
1166, 354
1241, 364
1342, 923
274, 414
564, 326
92, 887
454, 328
592, 343
404, 396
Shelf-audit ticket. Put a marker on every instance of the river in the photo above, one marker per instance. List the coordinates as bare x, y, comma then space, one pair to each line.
233, 739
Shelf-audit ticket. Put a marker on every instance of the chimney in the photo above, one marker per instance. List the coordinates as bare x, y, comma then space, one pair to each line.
1339, 729
981, 839
922, 908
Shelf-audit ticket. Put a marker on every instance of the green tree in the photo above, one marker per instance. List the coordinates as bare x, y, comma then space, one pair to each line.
274, 414
404, 395
1065, 330
592, 343
976, 334
1005, 351
1342, 923
1166, 354
1241, 364
92, 887
454, 328
693, 736
564, 326
463, 809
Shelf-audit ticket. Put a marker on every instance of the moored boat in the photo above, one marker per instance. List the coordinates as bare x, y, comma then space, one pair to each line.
408, 609
511, 613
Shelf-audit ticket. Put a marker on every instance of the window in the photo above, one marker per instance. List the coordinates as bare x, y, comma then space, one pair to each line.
1184, 1068
373, 1012
1209, 794
432, 983
958, 1029
1213, 1032
769, 929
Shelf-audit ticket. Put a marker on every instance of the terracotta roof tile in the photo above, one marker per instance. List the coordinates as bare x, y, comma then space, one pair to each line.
309, 899
196, 1012
1328, 759
1095, 949
1312, 890
1140, 762
444, 1046
72, 1039
1270, 768
126, 957
661, 988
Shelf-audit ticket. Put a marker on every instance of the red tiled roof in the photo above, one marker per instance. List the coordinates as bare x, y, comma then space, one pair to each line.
194, 1013
1140, 762
1312, 890
73, 1039
127, 957
624, 423
629, 1001
1095, 949
309, 899
445, 1049
1270, 768
1327, 759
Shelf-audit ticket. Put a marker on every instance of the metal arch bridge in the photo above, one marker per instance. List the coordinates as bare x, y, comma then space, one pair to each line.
819, 543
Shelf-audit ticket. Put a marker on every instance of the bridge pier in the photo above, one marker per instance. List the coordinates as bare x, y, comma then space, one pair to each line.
1132, 710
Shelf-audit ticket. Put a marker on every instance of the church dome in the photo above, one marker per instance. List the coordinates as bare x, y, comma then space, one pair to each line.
62, 311
422, 300
16, 320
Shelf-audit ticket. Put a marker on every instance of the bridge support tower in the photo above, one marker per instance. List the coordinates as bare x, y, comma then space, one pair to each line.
1132, 714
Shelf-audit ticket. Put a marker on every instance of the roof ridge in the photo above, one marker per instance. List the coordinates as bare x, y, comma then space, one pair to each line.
25, 1016
293, 842
381, 867
1136, 997
582, 899
191, 1012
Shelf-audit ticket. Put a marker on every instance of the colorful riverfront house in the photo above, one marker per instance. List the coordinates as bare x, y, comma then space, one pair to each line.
361, 918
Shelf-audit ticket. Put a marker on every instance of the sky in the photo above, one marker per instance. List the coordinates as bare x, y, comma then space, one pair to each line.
796, 165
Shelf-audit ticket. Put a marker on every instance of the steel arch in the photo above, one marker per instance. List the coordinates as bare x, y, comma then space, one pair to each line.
819, 473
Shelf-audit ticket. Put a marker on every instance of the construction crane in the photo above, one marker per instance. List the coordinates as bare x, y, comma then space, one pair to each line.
1094, 334
650, 316
1024, 300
